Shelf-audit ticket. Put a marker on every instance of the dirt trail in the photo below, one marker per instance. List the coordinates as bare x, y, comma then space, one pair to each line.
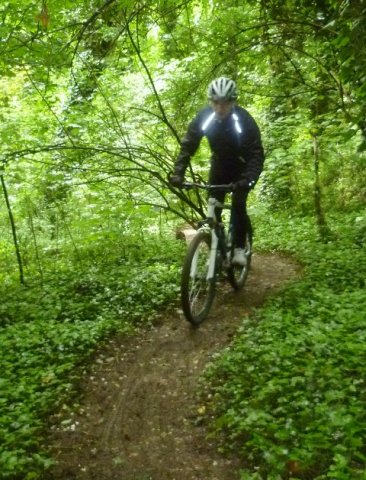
139, 404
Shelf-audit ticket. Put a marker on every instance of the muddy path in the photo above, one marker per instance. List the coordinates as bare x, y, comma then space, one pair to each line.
138, 413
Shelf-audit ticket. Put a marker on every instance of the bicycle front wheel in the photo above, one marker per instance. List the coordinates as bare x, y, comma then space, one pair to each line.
197, 289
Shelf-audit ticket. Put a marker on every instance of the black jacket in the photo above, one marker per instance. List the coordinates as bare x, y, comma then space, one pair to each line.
235, 143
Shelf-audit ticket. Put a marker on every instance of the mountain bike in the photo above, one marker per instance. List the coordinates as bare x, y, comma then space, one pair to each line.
209, 254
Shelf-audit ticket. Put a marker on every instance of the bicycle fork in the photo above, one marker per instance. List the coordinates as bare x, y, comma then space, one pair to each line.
217, 243
213, 255
211, 259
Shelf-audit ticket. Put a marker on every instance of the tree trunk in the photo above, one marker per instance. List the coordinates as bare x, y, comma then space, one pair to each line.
318, 207
13, 230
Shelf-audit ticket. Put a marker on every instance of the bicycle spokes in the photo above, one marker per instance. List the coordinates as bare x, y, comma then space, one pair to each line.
197, 282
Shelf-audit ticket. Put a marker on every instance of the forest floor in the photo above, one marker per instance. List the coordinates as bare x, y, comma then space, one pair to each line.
139, 414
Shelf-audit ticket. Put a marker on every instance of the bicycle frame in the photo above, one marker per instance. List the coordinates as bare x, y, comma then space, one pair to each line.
211, 223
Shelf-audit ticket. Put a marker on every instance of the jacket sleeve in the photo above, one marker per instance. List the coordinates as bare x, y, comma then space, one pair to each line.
189, 145
253, 152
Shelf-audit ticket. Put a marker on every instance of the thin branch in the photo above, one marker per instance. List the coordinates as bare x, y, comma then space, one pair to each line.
44, 99
152, 84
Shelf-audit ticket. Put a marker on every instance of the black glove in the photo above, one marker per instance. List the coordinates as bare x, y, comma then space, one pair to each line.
176, 180
243, 184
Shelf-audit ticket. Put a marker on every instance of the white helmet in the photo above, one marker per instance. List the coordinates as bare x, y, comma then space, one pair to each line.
222, 89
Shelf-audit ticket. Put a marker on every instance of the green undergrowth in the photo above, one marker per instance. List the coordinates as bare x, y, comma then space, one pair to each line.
289, 394
47, 333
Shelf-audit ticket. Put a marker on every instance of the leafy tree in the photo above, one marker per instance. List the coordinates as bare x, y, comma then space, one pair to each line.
95, 96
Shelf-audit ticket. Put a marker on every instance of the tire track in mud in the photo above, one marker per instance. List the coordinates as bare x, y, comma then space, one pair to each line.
138, 413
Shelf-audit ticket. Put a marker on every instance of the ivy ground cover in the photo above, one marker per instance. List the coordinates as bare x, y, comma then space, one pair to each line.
290, 392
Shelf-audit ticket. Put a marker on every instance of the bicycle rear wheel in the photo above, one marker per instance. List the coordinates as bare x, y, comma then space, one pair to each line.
237, 275
197, 290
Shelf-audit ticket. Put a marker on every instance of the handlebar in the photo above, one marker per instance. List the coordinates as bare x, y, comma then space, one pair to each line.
206, 186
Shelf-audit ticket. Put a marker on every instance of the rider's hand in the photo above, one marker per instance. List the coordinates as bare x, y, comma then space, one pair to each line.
243, 184
176, 180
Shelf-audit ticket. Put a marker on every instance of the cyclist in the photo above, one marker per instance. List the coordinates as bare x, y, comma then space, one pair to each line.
237, 154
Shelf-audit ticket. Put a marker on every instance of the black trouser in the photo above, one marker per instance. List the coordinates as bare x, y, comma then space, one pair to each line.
222, 172
240, 218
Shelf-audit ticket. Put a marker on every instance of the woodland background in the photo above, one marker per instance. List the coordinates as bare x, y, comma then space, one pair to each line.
95, 96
